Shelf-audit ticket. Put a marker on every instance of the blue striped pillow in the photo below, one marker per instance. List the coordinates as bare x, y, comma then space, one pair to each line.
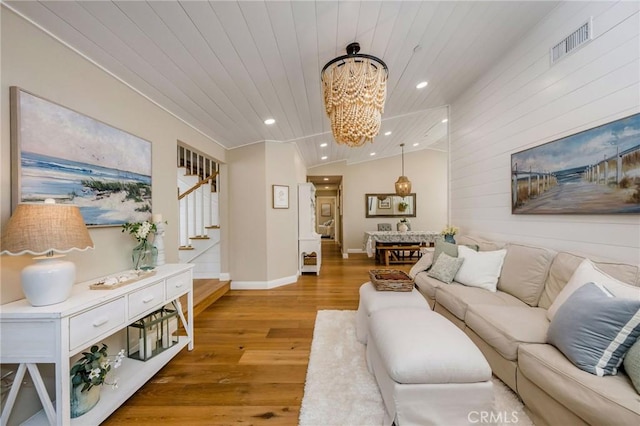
594, 329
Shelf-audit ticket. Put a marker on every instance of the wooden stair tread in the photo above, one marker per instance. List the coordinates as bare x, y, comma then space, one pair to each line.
205, 293
185, 248
200, 237
212, 227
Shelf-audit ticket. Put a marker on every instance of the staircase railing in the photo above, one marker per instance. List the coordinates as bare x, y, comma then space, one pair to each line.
199, 203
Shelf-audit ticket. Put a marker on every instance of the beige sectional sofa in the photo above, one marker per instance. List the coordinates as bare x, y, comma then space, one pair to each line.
510, 328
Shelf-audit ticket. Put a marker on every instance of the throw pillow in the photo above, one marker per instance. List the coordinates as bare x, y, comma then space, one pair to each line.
585, 273
632, 364
480, 269
442, 246
422, 264
445, 268
594, 329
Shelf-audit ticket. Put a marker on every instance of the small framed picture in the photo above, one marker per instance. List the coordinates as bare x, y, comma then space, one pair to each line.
384, 204
325, 210
280, 196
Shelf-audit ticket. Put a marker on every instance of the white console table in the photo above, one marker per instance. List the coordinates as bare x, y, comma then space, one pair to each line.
53, 334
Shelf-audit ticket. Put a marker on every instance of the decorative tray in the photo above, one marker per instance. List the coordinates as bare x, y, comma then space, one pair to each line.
121, 279
390, 280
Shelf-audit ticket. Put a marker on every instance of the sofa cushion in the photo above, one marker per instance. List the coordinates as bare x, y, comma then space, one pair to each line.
632, 364
595, 329
563, 266
524, 272
424, 263
427, 285
483, 245
480, 269
597, 400
585, 273
504, 328
456, 298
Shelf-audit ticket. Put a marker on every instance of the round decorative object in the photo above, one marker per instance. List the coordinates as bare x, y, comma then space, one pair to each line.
144, 256
449, 238
82, 402
403, 227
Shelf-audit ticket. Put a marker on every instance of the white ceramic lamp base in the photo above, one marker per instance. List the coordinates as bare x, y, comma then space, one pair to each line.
48, 281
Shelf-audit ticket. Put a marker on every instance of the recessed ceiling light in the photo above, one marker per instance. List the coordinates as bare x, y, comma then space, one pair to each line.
322, 145
422, 85
387, 133
269, 121
416, 144
372, 154
324, 157
326, 178
445, 120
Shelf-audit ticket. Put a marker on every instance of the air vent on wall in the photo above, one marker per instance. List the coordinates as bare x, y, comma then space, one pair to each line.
571, 43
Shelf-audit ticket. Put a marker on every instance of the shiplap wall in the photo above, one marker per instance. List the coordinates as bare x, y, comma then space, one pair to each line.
523, 102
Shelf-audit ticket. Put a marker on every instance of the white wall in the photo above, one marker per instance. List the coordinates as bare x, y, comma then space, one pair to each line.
524, 102
39, 64
263, 250
427, 171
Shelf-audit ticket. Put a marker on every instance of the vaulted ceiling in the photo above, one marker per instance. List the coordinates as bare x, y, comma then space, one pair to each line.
226, 66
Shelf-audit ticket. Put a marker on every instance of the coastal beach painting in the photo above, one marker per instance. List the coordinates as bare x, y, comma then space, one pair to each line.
592, 172
62, 154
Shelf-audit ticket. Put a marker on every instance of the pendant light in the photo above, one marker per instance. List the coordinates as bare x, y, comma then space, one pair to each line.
403, 184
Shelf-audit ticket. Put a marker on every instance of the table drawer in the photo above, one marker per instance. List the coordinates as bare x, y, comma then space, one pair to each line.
178, 284
146, 299
101, 319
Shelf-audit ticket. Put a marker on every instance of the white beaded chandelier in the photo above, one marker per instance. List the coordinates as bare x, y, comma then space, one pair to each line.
355, 88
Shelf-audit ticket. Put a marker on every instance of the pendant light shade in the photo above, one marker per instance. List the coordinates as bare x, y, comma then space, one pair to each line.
403, 184
354, 88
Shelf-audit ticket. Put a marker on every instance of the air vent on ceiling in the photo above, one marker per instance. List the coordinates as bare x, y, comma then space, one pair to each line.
571, 43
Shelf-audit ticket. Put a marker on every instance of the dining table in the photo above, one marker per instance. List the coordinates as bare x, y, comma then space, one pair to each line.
373, 238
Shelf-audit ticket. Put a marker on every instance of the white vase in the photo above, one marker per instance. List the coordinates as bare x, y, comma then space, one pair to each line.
81, 402
403, 227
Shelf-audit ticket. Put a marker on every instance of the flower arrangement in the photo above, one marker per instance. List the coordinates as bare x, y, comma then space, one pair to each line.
91, 370
449, 230
404, 220
140, 230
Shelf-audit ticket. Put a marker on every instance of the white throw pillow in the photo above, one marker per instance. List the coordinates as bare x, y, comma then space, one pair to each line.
480, 268
585, 273
422, 264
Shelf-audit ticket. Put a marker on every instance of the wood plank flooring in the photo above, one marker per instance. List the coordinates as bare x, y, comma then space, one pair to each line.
251, 353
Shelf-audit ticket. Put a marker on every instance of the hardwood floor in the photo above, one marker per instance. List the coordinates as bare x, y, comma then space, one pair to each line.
251, 353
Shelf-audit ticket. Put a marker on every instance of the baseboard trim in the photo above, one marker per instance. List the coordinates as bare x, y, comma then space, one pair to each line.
263, 285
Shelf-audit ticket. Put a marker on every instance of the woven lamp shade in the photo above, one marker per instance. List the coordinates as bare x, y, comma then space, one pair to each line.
403, 186
42, 228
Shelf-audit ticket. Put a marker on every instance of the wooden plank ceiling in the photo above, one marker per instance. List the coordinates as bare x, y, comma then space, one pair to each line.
226, 66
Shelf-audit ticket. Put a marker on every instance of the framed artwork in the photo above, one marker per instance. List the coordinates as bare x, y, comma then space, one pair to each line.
61, 154
280, 196
596, 171
325, 209
385, 203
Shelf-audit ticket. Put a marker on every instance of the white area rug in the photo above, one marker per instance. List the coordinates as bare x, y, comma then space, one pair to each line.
339, 391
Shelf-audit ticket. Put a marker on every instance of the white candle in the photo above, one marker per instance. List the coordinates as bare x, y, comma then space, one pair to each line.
149, 347
165, 339
141, 354
155, 218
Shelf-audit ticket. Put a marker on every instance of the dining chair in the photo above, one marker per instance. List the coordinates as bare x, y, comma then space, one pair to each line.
384, 227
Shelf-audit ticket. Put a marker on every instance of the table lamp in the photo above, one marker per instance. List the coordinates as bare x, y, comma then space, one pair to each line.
44, 229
